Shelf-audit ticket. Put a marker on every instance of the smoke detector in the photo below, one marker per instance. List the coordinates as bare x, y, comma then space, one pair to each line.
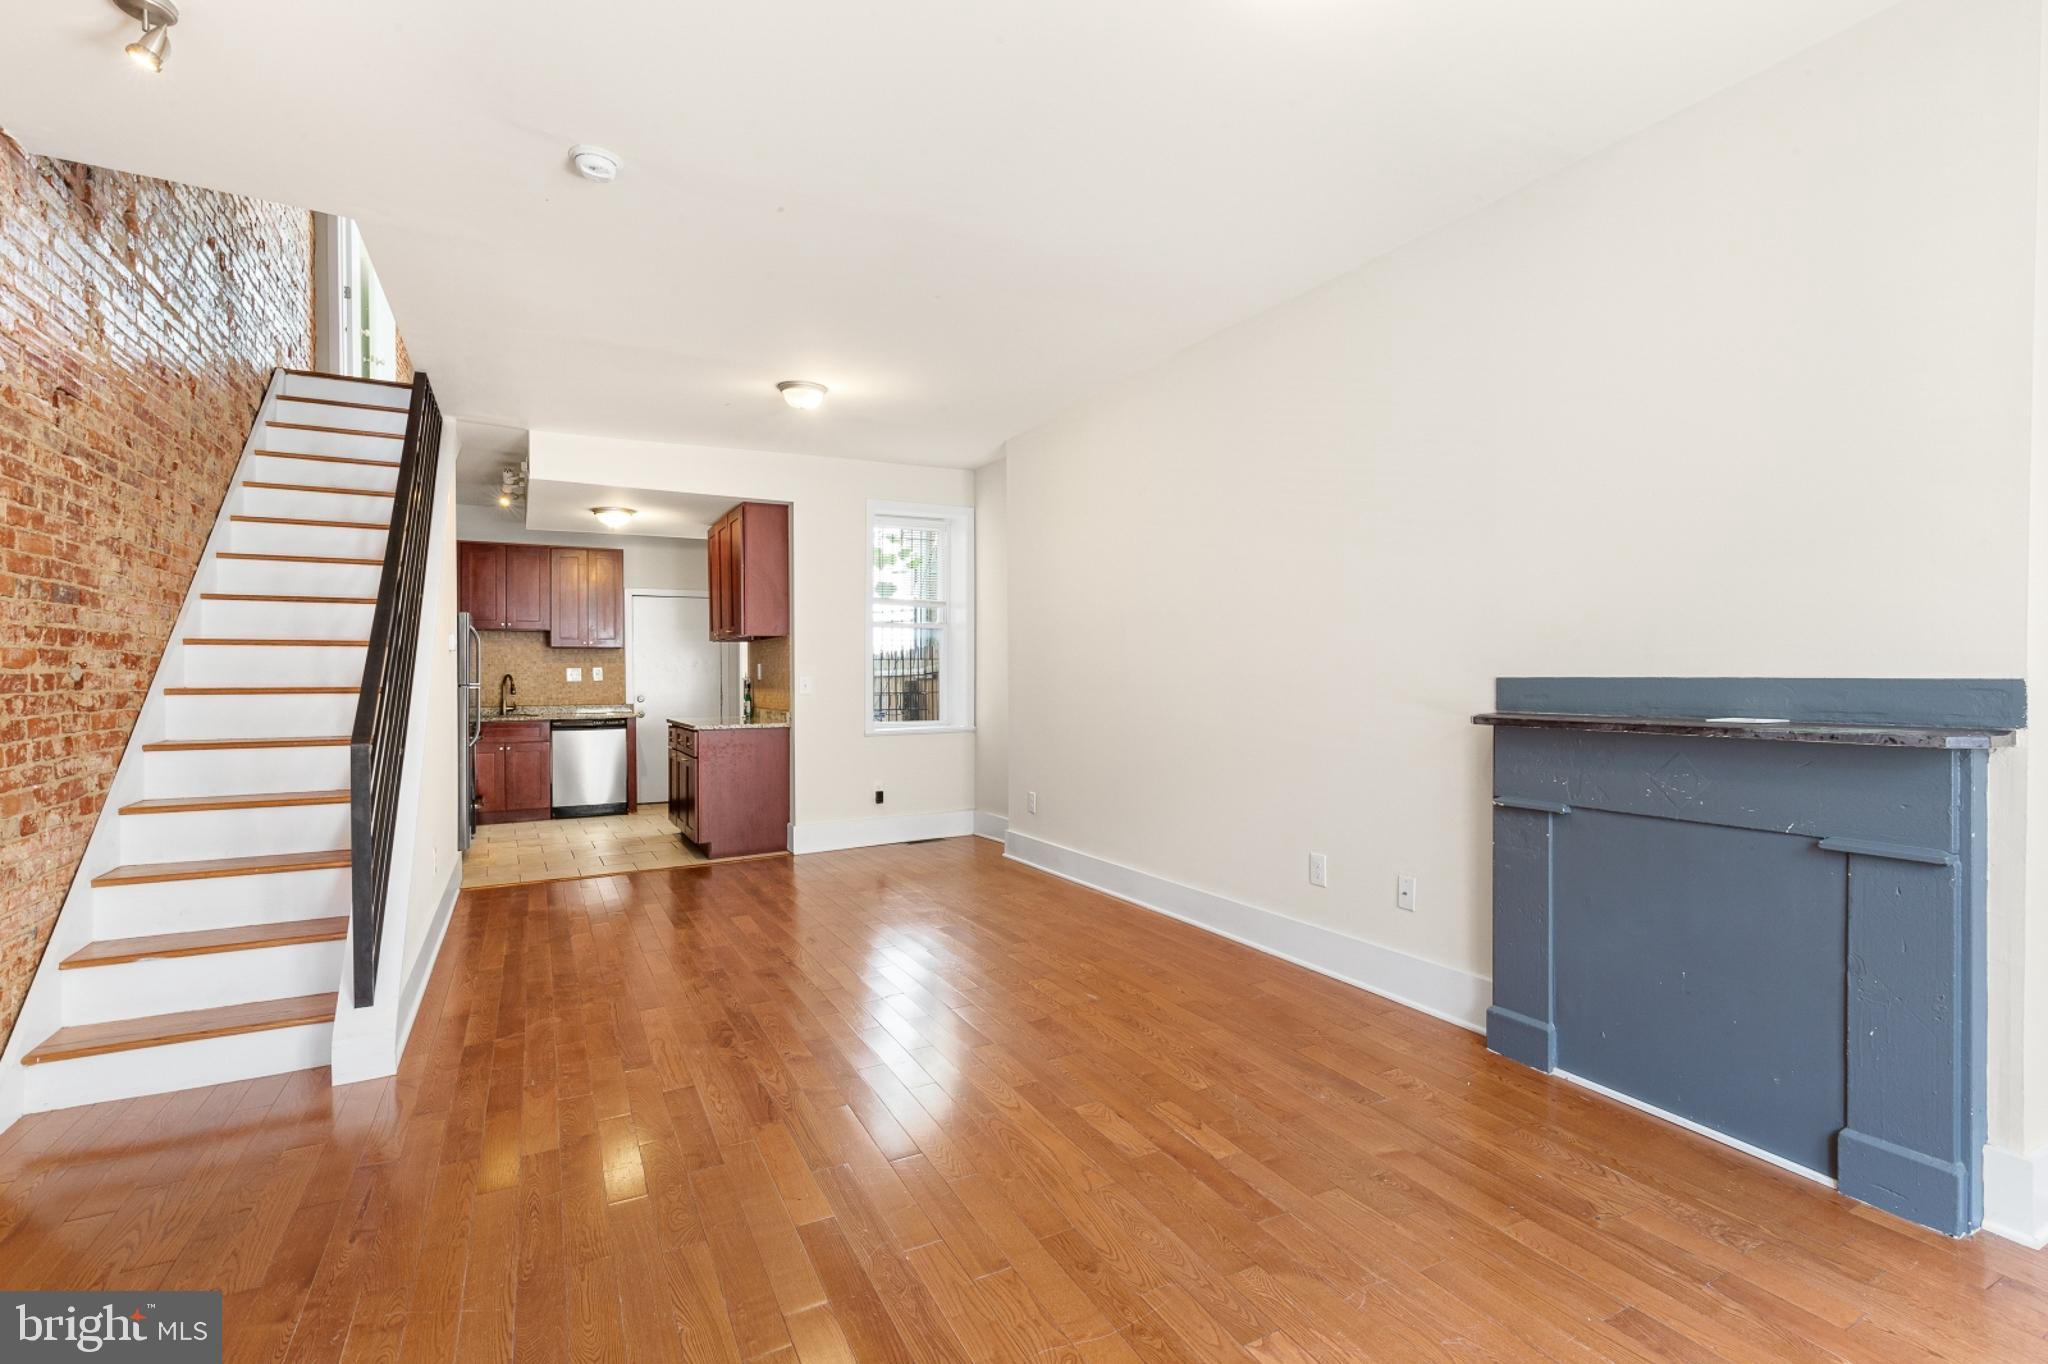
594, 163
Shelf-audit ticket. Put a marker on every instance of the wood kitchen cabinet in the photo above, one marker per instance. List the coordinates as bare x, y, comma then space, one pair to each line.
503, 587
728, 789
514, 772
747, 561
587, 598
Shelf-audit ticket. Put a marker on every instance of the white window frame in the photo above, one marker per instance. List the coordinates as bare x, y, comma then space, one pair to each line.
956, 649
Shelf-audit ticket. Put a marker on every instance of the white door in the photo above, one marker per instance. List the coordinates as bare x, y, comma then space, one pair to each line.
673, 671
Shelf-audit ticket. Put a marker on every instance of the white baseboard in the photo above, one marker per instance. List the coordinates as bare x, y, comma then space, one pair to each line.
991, 826
831, 835
2016, 1196
1441, 991
430, 952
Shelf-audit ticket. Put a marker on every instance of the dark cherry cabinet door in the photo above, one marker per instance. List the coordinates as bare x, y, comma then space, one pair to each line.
527, 591
748, 561
567, 579
480, 583
529, 777
604, 598
490, 778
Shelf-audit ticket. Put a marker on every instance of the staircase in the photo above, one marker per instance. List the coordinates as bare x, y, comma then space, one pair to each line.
215, 943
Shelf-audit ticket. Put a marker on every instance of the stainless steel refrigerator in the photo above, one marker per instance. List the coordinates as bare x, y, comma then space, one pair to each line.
469, 692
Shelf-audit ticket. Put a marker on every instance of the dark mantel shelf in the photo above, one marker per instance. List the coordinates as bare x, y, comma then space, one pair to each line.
1790, 731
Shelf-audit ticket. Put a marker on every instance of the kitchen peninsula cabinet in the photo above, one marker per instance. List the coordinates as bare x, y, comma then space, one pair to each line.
728, 785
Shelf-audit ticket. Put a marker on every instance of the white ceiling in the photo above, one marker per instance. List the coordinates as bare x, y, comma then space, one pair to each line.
962, 216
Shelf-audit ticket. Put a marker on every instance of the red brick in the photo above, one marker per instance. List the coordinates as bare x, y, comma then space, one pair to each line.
139, 322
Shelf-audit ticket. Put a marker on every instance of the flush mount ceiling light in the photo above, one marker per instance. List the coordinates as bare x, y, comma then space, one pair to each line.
802, 394
595, 163
156, 18
614, 517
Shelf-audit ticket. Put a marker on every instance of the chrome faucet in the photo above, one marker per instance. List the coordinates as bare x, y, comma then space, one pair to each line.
506, 684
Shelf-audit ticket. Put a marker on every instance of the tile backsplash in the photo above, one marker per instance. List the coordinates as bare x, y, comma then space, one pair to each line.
770, 657
539, 672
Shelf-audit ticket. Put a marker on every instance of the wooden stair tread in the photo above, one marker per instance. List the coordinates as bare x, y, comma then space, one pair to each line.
328, 459
292, 741
242, 938
178, 805
281, 643
262, 864
349, 378
310, 521
317, 488
261, 691
295, 558
334, 430
339, 402
128, 1034
268, 596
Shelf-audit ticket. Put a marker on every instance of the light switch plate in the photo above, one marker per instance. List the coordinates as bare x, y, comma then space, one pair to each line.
803, 686
597, 674
574, 674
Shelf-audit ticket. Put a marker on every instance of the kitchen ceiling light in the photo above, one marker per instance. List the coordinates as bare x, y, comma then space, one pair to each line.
156, 18
801, 394
614, 517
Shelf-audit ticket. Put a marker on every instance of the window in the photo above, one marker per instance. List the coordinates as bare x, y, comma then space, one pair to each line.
920, 618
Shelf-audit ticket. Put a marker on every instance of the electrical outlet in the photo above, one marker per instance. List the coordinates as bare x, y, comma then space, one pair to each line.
878, 797
573, 674
1318, 870
1031, 801
597, 674
760, 672
1404, 893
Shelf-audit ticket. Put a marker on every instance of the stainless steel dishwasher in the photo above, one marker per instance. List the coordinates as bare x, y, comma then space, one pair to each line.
589, 767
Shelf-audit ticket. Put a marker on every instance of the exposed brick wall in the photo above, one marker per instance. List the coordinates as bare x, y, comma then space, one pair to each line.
139, 321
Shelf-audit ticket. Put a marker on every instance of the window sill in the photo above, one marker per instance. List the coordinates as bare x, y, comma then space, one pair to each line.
881, 731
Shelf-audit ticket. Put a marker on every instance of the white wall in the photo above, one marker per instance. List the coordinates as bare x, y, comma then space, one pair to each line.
838, 766
651, 561
1747, 394
992, 639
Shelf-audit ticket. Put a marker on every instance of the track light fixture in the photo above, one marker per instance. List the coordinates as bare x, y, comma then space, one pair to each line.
156, 17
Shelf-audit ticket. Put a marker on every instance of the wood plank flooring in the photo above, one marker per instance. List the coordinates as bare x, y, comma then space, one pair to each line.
920, 1104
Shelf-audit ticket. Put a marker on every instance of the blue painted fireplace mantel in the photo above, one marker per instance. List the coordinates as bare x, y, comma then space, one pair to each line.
1758, 904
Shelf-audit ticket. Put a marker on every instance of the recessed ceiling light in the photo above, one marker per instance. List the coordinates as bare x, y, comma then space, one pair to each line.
801, 394
595, 163
614, 517
156, 18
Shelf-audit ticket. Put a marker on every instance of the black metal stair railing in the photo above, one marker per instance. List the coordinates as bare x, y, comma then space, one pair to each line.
378, 742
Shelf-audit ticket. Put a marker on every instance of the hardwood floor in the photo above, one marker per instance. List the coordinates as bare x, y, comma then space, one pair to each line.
917, 1103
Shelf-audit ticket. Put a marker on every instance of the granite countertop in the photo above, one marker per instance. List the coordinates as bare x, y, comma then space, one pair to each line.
730, 722
1750, 727
619, 712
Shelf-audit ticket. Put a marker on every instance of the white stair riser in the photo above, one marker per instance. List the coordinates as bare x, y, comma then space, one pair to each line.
276, 469
218, 902
257, 717
347, 389
386, 418
191, 835
280, 577
315, 506
184, 1065
262, 537
245, 771
284, 619
273, 665
330, 442
167, 985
